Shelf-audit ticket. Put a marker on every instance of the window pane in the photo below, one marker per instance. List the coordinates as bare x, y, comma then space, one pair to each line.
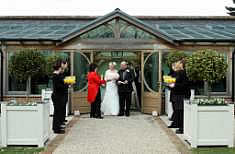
151, 74
13, 83
80, 71
198, 86
220, 86
39, 83
100, 32
16, 85
42, 82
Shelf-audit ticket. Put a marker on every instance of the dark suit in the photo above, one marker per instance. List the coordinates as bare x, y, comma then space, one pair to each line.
125, 91
180, 92
63, 75
59, 98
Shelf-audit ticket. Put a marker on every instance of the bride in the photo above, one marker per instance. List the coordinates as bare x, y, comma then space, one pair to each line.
110, 104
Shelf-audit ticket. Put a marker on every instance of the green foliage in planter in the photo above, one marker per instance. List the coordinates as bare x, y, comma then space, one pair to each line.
206, 65
26, 63
213, 101
174, 56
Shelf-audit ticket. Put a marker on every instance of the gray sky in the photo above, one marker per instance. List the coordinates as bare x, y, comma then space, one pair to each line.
102, 7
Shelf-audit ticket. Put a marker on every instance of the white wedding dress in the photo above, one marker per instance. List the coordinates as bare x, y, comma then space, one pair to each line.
110, 103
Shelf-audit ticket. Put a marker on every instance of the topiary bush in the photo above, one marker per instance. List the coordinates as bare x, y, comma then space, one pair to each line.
206, 65
50, 61
26, 63
174, 56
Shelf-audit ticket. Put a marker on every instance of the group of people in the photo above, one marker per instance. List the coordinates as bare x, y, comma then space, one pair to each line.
117, 97
59, 96
180, 90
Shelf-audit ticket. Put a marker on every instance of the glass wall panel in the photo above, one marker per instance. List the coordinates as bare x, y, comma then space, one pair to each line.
100, 32
81, 65
37, 83
151, 74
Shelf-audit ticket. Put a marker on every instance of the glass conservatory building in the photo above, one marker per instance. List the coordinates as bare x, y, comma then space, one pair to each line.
143, 41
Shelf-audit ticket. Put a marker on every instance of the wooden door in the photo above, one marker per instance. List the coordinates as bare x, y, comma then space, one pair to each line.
151, 85
80, 62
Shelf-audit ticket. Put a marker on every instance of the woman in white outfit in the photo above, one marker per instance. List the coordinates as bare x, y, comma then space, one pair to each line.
110, 104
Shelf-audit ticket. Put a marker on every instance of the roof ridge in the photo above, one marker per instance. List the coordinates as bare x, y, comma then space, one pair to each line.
71, 17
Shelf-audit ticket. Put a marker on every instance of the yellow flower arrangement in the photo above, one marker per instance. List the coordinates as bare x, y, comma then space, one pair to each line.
70, 80
169, 79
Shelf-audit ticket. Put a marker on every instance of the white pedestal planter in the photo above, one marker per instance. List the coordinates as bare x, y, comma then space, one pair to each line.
46, 96
208, 125
168, 104
25, 125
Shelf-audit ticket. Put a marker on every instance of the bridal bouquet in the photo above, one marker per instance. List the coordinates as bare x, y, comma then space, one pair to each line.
70, 80
169, 79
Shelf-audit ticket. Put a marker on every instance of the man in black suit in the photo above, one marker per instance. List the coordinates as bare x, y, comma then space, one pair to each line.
125, 89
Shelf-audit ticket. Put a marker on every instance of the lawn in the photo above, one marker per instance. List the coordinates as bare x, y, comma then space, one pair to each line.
20, 150
214, 150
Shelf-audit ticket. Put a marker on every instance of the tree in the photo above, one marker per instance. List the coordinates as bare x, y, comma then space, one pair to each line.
50, 61
231, 9
174, 56
206, 65
26, 63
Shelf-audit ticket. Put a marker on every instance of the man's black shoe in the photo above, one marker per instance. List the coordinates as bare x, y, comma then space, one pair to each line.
99, 117
120, 114
91, 116
179, 131
59, 131
173, 125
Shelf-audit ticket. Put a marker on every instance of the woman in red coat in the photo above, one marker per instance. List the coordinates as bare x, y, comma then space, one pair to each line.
94, 97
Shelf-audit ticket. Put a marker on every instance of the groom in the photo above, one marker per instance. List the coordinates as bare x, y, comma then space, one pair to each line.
125, 89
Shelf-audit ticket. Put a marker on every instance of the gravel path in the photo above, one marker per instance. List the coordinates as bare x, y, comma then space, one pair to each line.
137, 134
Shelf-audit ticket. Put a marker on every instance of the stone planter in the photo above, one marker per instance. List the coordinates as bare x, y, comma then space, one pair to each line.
25, 125
46, 96
208, 125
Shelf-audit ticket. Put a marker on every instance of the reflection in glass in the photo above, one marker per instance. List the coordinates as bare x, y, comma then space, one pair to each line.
16, 85
198, 86
151, 73
80, 71
219, 86
100, 32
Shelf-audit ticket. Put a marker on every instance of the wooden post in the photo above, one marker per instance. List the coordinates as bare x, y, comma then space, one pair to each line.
92, 57
142, 81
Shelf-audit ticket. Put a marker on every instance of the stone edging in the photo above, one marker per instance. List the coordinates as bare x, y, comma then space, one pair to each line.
50, 148
180, 146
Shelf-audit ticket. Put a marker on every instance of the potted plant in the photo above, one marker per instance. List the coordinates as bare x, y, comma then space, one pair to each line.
207, 121
26, 123
25, 64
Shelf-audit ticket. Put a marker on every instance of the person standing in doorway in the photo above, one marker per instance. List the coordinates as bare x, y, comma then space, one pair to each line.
124, 89
94, 96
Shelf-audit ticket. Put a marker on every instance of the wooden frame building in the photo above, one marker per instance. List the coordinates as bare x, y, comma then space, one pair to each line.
142, 40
